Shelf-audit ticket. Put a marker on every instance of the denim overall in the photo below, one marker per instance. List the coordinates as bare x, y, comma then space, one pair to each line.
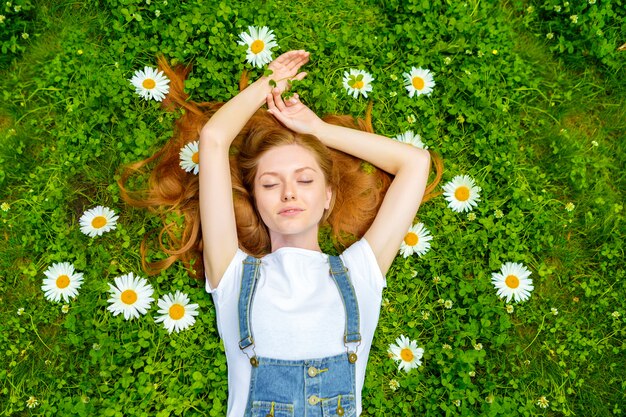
301, 388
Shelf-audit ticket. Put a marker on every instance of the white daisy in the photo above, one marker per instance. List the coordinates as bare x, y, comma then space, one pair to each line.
189, 157
61, 282
512, 282
130, 295
416, 241
418, 81
260, 41
176, 312
150, 84
462, 193
357, 82
98, 220
406, 352
412, 139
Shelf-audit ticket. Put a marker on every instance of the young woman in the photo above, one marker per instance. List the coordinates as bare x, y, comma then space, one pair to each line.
296, 336
297, 324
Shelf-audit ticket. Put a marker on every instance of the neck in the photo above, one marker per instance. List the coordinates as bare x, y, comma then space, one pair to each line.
308, 241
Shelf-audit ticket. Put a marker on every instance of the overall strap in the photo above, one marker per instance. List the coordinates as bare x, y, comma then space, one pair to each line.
246, 296
339, 274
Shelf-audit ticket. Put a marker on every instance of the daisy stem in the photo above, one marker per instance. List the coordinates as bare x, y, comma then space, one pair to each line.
37, 333
538, 331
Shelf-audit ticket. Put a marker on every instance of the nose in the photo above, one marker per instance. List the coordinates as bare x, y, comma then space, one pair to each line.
288, 194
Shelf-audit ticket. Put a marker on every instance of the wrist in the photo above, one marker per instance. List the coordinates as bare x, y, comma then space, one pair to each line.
259, 89
319, 128
264, 83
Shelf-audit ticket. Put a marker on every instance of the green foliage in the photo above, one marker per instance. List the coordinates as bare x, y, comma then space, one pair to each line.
581, 30
537, 122
16, 28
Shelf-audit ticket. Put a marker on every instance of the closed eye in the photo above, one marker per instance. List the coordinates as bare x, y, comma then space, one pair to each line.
268, 186
306, 181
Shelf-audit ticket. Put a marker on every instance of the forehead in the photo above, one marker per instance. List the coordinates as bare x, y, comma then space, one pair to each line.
285, 159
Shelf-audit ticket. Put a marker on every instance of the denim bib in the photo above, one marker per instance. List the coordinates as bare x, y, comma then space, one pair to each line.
296, 388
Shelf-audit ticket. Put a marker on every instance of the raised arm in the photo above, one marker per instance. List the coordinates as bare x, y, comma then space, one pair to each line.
408, 164
217, 215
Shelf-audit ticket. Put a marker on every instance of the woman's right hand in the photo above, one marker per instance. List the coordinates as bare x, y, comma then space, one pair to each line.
293, 114
285, 68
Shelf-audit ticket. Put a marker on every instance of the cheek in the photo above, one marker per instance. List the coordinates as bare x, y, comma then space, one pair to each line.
260, 202
263, 206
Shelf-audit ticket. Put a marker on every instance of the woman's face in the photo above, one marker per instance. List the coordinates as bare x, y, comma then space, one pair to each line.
291, 192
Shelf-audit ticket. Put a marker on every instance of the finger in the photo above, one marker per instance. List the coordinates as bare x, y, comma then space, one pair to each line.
298, 59
286, 56
278, 100
303, 57
292, 101
300, 76
289, 57
270, 103
278, 116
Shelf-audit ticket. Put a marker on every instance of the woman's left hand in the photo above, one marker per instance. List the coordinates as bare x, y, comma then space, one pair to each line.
292, 113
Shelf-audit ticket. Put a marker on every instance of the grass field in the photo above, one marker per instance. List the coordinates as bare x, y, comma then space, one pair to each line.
528, 101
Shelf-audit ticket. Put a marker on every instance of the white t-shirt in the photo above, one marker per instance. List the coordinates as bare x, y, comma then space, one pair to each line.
297, 312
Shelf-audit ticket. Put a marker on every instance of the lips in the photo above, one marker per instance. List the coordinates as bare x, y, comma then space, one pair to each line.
290, 211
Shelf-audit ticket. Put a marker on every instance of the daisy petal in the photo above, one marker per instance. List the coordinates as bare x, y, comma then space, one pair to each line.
357, 82
150, 83
512, 282
462, 193
418, 81
61, 282
130, 295
98, 220
176, 313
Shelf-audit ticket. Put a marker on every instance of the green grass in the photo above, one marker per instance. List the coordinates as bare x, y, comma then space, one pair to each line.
538, 125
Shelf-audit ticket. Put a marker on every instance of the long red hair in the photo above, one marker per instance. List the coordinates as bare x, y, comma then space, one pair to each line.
358, 187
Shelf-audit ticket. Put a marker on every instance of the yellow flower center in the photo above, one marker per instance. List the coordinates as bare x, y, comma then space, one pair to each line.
406, 354
129, 297
511, 281
195, 158
418, 83
358, 85
462, 193
98, 222
148, 84
177, 311
411, 239
257, 46
63, 281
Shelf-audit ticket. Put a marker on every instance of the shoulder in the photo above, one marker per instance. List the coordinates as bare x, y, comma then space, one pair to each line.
230, 276
361, 262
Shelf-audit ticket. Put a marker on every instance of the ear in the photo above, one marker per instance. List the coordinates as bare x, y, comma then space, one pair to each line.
329, 195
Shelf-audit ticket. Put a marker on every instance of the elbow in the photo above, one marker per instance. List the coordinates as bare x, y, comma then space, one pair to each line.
210, 139
213, 135
416, 158
209, 136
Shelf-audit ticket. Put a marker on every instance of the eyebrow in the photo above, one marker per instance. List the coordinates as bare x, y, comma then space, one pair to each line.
296, 171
